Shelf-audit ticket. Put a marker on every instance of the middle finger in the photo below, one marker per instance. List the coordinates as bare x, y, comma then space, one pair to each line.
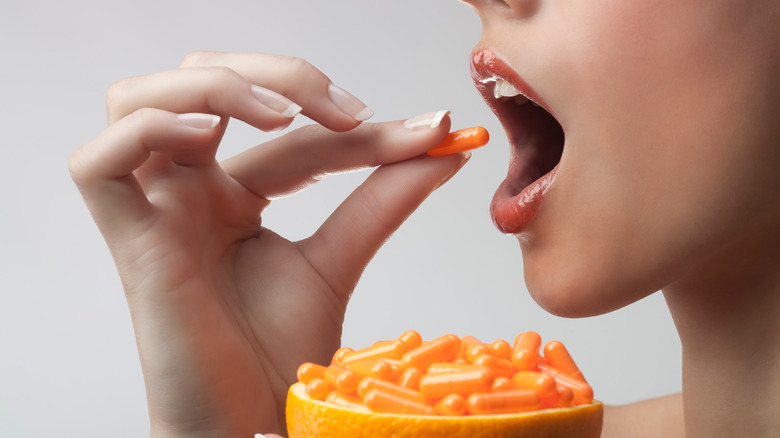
215, 90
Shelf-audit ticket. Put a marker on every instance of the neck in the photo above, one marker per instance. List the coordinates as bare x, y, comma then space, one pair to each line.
727, 313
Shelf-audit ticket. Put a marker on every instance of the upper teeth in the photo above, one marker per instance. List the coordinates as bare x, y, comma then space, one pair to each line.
502, 88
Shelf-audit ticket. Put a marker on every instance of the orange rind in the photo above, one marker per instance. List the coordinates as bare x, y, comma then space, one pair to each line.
446, 387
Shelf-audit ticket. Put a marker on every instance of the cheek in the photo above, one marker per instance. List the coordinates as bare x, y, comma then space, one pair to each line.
670, 151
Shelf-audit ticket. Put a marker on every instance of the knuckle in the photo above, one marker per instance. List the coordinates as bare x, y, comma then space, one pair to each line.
76, 167
216, 80
142, 116
303, 68
374, 209
115, 93
195, 58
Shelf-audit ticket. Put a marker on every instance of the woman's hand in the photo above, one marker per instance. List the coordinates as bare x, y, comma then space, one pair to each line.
223, 309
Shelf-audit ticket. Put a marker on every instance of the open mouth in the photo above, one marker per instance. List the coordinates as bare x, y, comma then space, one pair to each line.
535, 136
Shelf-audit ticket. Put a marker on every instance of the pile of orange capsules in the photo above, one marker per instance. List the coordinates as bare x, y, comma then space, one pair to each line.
449, 376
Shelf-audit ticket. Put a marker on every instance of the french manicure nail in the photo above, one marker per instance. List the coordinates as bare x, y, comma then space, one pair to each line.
428, 120
276, 102
349, 103
199, 120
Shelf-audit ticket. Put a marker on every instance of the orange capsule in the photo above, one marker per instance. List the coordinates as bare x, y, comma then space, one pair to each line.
461, 140
583, 393
565, 397
558, 357
525, 351
308, 371
410, 379
473, 347
448, 367
503, 384
380, 343
504, 402
542, 384
338, 356
381, 401
318, 389
372, 368
370, 383
396, 368
343, 379
501, 348
500, 367
390, 350
456, 382
441, 349
411, 339
348, 401
453, 404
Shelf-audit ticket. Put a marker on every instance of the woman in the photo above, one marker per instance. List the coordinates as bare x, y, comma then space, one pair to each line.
645, 157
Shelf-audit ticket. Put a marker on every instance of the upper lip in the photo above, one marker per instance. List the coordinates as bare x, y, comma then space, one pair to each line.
486, 67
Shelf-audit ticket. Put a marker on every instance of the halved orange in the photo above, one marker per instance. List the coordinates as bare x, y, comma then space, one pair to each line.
309, 418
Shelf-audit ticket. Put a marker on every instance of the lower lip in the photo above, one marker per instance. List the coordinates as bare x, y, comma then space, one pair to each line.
513, 212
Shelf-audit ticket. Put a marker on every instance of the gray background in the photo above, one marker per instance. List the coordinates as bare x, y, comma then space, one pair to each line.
68, 362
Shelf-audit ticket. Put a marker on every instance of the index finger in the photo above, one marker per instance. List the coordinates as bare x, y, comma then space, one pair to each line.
295, 78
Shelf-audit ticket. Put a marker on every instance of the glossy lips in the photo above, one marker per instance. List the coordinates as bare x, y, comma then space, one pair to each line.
534, 134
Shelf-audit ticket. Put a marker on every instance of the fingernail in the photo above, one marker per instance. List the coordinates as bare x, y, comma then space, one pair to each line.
427, 120
276, 102
199, 120
259, 435
349, 103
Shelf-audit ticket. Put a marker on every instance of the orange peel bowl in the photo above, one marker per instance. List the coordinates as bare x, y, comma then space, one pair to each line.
308, 418
448, 387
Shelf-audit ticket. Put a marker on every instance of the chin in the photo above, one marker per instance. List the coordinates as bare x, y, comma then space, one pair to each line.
578, 287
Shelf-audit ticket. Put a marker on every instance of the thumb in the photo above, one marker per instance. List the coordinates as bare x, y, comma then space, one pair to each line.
350, 237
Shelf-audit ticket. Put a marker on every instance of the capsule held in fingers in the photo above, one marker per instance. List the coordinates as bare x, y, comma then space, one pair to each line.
460, 141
